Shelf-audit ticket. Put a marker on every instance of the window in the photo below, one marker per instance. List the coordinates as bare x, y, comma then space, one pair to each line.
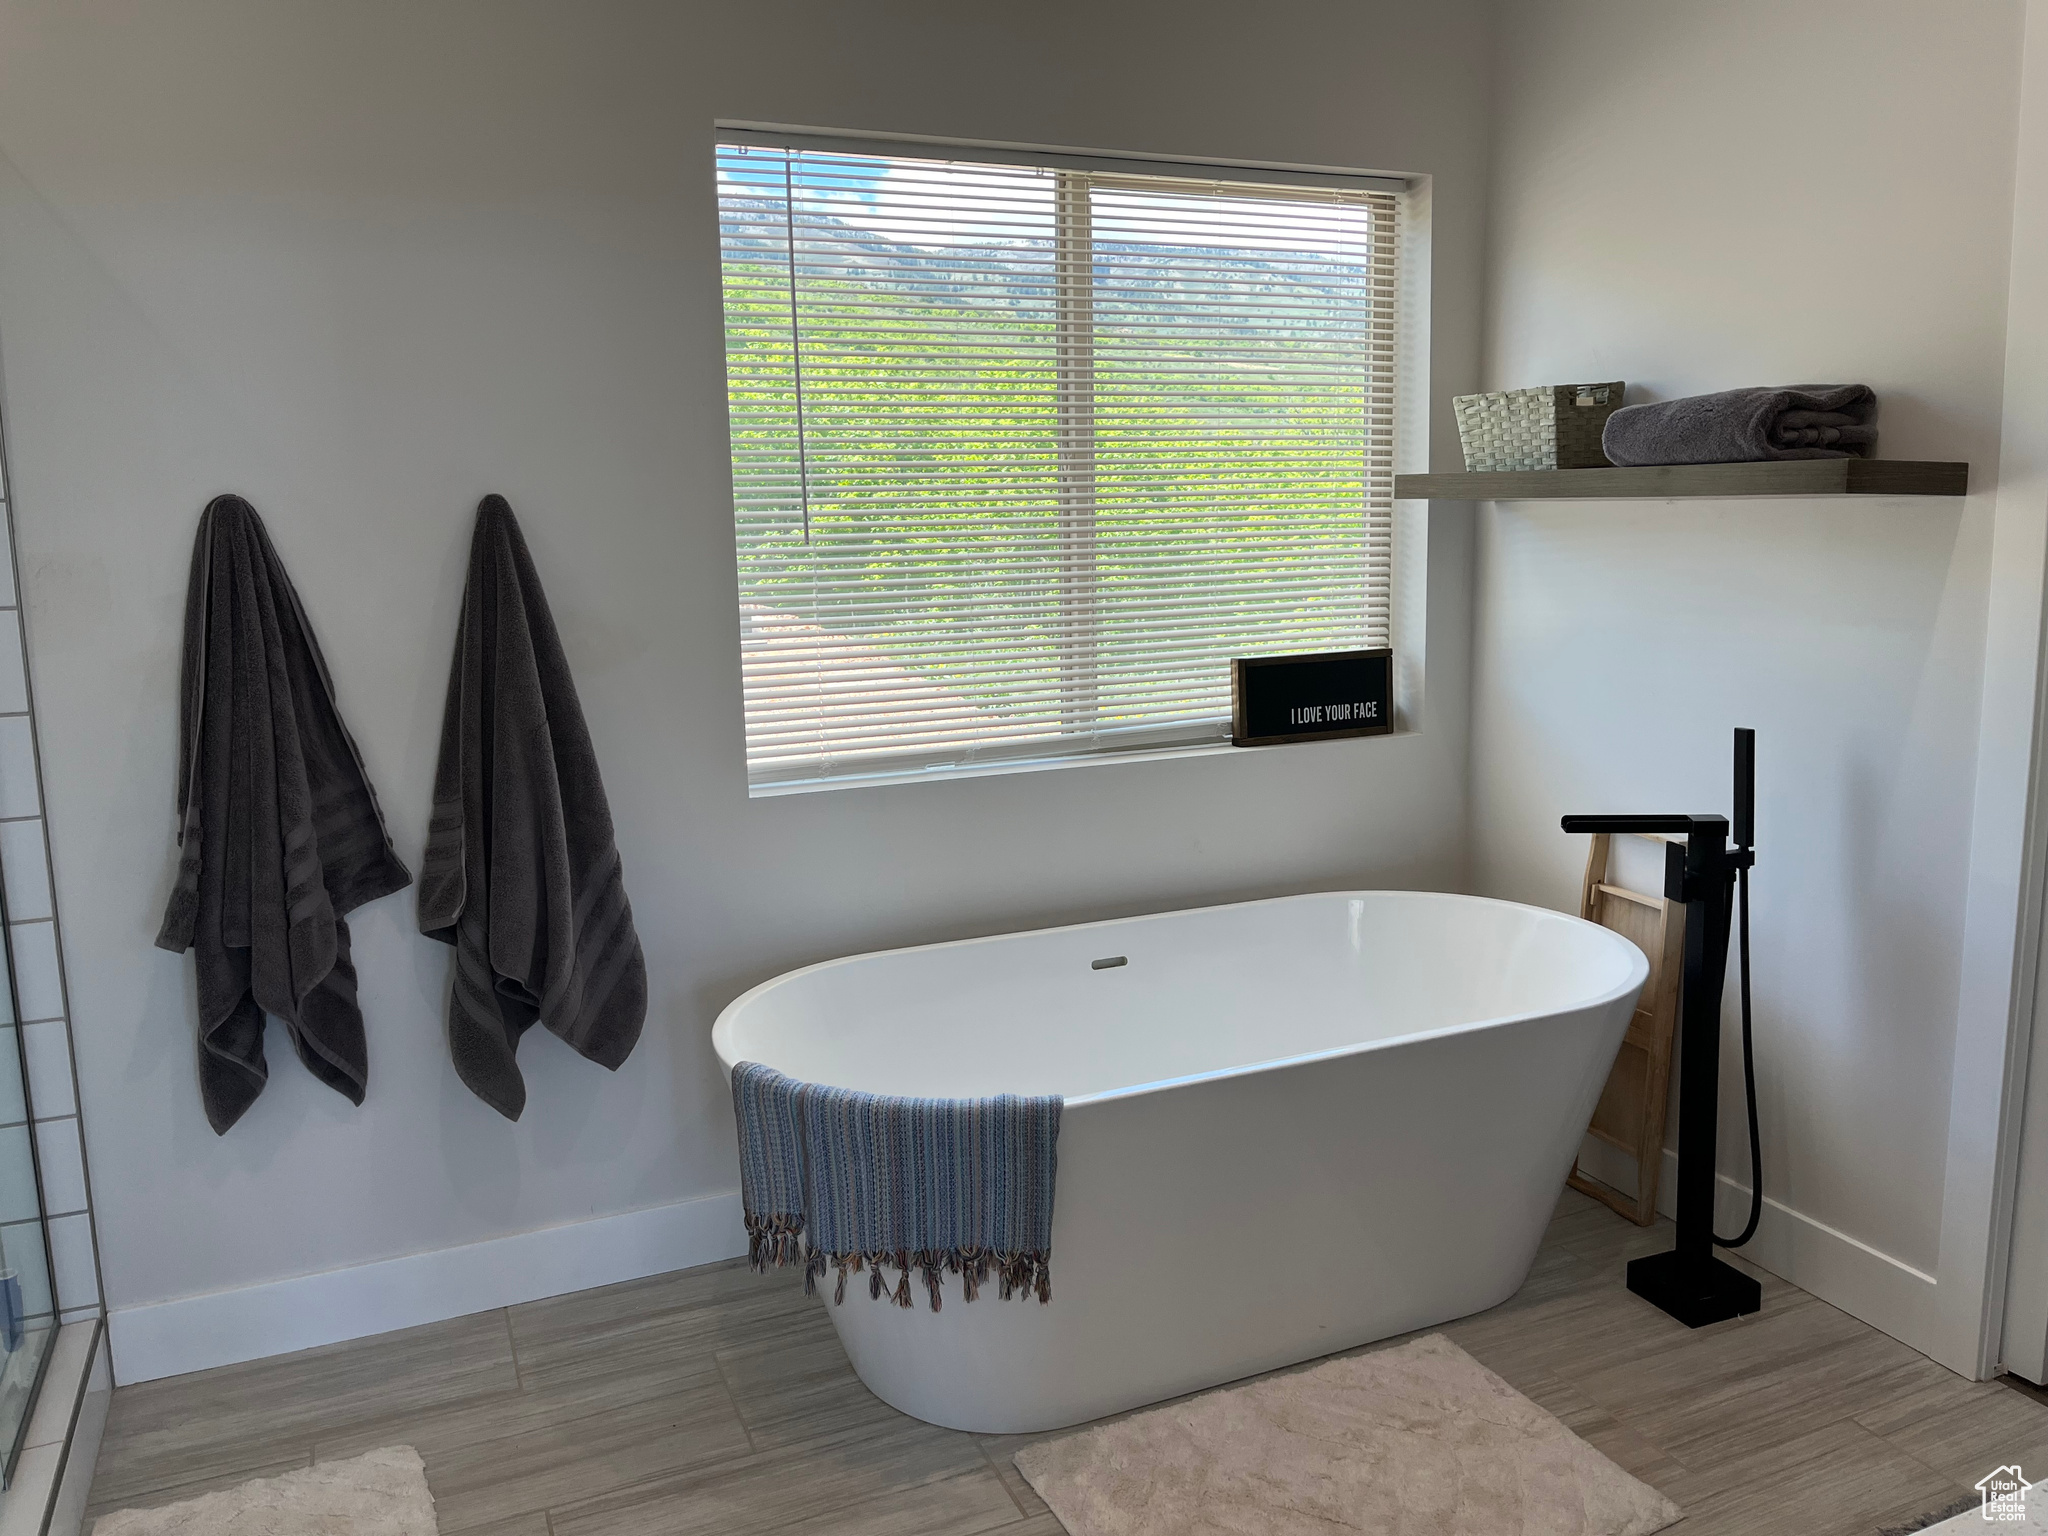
1025, 453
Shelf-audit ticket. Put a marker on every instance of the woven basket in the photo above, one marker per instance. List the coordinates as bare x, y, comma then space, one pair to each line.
1557, 426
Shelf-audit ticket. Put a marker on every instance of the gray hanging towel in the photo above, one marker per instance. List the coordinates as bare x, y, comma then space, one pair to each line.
279, 830
522, 871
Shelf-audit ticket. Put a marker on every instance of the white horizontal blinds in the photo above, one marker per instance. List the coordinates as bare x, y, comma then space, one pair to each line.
1022, 455
1243, 434
891, 356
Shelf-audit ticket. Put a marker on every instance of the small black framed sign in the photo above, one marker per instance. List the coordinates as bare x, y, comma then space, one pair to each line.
1276, 699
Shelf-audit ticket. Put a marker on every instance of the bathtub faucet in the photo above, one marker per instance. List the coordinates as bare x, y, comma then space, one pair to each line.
1689, 1282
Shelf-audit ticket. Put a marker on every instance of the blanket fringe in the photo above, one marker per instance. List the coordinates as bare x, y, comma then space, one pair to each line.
1018, 1275
776, 1241
773, 1241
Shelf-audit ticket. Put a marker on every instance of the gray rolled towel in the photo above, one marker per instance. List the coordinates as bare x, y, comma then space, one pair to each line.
522, 871
278, 829
1740, 426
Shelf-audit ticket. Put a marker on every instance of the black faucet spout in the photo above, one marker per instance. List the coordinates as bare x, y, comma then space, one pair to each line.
1635, 824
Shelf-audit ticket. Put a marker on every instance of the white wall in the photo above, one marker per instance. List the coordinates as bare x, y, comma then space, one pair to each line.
365, 262
1700, 197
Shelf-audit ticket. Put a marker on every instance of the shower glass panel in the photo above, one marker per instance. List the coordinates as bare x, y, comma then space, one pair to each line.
28, 1311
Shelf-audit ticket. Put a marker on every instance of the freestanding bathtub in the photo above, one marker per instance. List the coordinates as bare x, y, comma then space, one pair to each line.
1291, 1127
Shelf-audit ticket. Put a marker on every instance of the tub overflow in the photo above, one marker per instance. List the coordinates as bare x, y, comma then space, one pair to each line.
1109, 962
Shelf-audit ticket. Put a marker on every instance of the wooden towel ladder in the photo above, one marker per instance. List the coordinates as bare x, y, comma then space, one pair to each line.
1631, 1113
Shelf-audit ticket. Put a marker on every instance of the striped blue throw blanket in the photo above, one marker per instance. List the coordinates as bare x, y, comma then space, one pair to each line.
863, 1180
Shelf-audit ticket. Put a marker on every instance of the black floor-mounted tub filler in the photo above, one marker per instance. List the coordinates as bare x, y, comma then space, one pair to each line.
1689, 1282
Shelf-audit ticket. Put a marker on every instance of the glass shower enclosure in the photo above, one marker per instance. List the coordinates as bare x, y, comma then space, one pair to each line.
28, 1312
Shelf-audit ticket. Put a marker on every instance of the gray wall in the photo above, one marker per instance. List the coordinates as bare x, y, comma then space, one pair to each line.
365, 262
1695, 198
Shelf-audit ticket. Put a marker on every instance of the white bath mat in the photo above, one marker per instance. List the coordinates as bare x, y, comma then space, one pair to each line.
1421, 1440
382, 1493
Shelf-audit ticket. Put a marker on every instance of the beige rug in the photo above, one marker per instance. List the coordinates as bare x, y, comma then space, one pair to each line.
383, 1493
1419, 1440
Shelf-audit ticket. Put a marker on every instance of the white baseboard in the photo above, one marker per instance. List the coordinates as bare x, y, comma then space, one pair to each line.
1885, 1292
194, 1333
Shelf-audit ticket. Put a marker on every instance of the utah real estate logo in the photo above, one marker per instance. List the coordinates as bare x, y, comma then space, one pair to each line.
2005, 1494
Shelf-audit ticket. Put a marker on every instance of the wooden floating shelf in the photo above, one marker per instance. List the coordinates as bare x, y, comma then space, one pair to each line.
1656, 482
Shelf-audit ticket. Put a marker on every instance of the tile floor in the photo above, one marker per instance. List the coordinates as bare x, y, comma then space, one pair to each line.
714, 1400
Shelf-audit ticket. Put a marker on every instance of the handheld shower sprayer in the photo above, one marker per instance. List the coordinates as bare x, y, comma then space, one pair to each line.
1705, 875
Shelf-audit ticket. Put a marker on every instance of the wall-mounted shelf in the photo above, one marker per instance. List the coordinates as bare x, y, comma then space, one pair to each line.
1784, 477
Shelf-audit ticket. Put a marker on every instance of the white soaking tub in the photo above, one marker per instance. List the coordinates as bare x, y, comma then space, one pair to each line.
1291, 1127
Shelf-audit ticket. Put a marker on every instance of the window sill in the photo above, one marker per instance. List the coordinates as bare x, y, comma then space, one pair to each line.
1042, 764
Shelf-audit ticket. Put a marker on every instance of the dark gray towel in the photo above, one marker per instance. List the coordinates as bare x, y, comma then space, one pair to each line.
522, 873
1740, 426
280, 831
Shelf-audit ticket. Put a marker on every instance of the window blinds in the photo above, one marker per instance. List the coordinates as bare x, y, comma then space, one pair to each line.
1024, 455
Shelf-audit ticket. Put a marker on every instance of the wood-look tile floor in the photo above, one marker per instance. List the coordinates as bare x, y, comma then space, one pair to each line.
716, 1400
